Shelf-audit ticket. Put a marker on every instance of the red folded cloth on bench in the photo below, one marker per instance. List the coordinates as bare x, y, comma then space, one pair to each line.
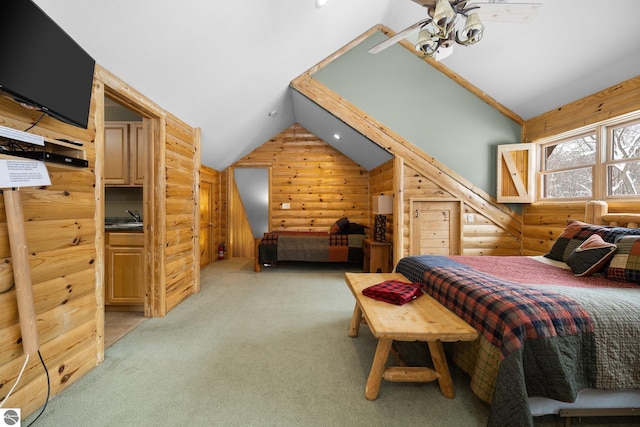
393, 291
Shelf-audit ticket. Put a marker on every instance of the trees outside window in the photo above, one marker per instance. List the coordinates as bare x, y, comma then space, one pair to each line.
602, 161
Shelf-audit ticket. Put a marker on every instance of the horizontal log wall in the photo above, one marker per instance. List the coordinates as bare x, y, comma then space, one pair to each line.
481, 234
381, 181
320, 183
65, 255
615, 101
182, 219
65, 240
543, 222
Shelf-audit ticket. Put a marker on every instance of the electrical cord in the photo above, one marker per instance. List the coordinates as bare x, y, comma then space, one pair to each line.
36, 122
48, 390
24, 365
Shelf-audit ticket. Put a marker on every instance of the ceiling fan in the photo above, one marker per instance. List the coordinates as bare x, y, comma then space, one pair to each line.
438, 34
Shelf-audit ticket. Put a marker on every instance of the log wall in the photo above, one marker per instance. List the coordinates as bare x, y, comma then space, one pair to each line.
182, 261
65, 240
65, 256
543, 222
481, 233
320, 183
381, 180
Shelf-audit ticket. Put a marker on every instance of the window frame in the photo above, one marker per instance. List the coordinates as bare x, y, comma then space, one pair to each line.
603, 159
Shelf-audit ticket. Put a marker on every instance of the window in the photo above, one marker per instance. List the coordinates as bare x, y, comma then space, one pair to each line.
623, 161
598, 162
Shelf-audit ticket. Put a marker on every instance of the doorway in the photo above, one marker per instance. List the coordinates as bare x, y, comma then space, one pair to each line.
125, 152
249, 208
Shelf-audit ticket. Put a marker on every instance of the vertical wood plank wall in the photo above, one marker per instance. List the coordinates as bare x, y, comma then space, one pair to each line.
60, 226
543, 222
212, 176
241, 239
320, 183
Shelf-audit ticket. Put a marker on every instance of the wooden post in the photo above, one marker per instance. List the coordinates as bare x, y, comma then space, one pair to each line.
21, 270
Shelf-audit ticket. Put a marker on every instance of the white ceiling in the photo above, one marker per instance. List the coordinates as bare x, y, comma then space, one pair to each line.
224, 66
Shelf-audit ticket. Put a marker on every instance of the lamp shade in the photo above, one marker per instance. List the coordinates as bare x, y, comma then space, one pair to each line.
382, 205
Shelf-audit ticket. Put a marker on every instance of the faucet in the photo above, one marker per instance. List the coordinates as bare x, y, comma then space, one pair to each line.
135, 214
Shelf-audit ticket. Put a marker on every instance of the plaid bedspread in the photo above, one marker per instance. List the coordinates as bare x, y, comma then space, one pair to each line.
550, 340
309, 246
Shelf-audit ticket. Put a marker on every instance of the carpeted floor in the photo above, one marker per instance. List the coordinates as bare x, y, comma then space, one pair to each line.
256, 349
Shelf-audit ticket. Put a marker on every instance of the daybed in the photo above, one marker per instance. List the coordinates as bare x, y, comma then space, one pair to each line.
342, 243
546, 333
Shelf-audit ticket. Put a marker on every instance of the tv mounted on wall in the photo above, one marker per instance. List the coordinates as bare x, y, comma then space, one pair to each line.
42, 66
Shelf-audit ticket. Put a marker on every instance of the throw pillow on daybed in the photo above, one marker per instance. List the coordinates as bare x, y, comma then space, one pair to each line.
339, 225
577, 232
625, 264
591, 256
354, 228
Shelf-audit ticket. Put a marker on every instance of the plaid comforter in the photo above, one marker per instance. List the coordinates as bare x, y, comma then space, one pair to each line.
549, 341
310, 246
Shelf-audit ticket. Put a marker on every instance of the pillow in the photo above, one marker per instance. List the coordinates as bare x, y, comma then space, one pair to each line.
577, 232
625, 264
339, 225
353, 228
591, 256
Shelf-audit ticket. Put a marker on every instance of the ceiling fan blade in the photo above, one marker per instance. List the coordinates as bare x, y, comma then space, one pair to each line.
506, 12
497, 10
399, 36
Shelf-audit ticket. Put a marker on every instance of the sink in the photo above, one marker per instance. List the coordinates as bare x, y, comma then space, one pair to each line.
124, 226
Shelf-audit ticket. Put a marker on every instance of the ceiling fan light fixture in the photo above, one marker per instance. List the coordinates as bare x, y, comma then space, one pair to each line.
427, 44
472, 32
444, 17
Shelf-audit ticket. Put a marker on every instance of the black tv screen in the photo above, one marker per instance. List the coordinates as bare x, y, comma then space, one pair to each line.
42, 65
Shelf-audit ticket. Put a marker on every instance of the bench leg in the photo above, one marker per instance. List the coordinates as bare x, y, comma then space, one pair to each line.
356, 319
377, 368
441, 367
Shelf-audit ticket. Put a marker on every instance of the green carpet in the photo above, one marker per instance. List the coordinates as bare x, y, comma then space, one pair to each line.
256, 349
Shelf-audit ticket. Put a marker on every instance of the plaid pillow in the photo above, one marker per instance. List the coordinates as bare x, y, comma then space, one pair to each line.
393, 291
577, 232
625, 264
591, 256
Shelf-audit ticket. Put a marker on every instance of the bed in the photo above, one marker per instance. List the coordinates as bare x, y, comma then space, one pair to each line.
342, 243
553, 328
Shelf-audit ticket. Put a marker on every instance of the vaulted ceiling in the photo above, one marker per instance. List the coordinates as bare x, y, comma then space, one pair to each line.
226, 66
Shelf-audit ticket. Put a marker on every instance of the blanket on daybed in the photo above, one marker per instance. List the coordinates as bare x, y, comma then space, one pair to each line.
310, 246
554, 333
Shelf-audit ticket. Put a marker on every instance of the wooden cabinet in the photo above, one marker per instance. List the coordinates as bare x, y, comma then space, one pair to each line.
124, 271
377, 256
124, 153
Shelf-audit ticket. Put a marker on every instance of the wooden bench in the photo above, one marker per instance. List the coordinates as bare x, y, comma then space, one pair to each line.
422, 319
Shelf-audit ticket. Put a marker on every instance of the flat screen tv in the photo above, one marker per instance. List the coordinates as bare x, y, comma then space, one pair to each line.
42, 66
